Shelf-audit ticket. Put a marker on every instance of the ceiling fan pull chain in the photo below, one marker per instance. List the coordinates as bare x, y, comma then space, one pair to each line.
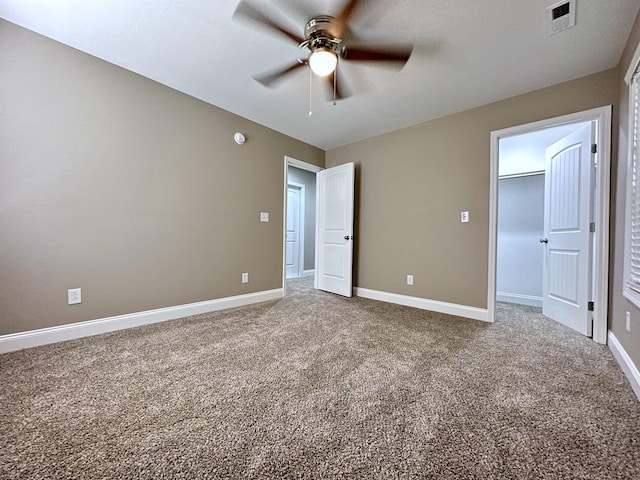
310, 85
335, 81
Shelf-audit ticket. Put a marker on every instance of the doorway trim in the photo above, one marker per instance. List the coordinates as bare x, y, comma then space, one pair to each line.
602, 117
290, 162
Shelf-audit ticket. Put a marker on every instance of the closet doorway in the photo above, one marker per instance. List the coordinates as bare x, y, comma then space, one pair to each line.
548, 244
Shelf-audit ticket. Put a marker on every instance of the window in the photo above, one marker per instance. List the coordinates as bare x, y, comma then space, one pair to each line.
632, 227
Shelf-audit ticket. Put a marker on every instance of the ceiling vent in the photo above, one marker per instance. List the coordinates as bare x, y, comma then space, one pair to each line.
561, 16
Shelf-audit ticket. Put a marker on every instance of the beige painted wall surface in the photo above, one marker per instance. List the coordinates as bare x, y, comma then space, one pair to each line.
630, 341
130, 190
412, 185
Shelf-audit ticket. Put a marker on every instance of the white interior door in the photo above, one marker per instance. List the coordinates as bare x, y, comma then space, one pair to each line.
567, 240
334, 234
292, 242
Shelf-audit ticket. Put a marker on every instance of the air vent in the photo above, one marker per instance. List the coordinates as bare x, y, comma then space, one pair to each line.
561, 16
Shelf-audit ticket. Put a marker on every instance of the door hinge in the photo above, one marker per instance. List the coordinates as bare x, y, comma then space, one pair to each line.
592, 227
590, 306
594, 148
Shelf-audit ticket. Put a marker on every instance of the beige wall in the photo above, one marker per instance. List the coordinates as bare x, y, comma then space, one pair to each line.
130, 190
619, 304
412, 185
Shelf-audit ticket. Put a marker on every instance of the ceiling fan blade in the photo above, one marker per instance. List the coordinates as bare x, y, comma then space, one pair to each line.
296, 11
399, 55
341, 91
271, 79
343, 16
248, 12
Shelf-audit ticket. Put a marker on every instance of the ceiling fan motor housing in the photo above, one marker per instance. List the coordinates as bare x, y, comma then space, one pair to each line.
318, 34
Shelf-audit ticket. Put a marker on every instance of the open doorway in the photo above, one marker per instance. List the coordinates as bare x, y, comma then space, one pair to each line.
521, 195
300, 219
329, 221
549, 193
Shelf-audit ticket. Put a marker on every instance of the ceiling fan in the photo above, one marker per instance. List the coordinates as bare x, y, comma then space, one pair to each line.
325, 40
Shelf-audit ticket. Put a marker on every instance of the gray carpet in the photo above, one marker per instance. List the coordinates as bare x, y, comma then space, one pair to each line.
319, 386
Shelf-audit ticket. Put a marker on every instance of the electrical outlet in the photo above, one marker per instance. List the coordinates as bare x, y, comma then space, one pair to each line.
628, 318
245, 278
464, 217
409, 279
74, 296
264, 217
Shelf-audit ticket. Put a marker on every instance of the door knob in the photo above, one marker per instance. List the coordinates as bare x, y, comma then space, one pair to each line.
346, 237
544, 240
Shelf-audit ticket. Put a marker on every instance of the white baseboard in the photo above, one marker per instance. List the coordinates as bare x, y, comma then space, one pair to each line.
45, 336
474, 313
627, 365
308, 273
520, 299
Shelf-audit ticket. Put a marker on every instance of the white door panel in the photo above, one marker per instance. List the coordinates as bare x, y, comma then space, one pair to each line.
567, 216
335, 187
563, 283
334, 260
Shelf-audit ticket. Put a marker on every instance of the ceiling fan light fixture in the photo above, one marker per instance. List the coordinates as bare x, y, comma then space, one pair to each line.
323, 62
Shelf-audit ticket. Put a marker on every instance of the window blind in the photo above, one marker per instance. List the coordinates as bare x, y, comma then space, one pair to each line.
633, 252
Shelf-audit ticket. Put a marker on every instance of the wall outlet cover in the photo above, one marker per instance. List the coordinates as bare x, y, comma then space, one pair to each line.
74, 296
264, 217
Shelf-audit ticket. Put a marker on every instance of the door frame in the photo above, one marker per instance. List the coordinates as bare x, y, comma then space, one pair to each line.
301, 205
602, 117
309, 167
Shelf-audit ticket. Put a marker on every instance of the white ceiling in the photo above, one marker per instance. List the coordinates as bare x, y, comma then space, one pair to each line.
469, 53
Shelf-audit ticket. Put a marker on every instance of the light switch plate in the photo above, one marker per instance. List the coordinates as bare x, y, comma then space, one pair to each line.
264, 217
464, 217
